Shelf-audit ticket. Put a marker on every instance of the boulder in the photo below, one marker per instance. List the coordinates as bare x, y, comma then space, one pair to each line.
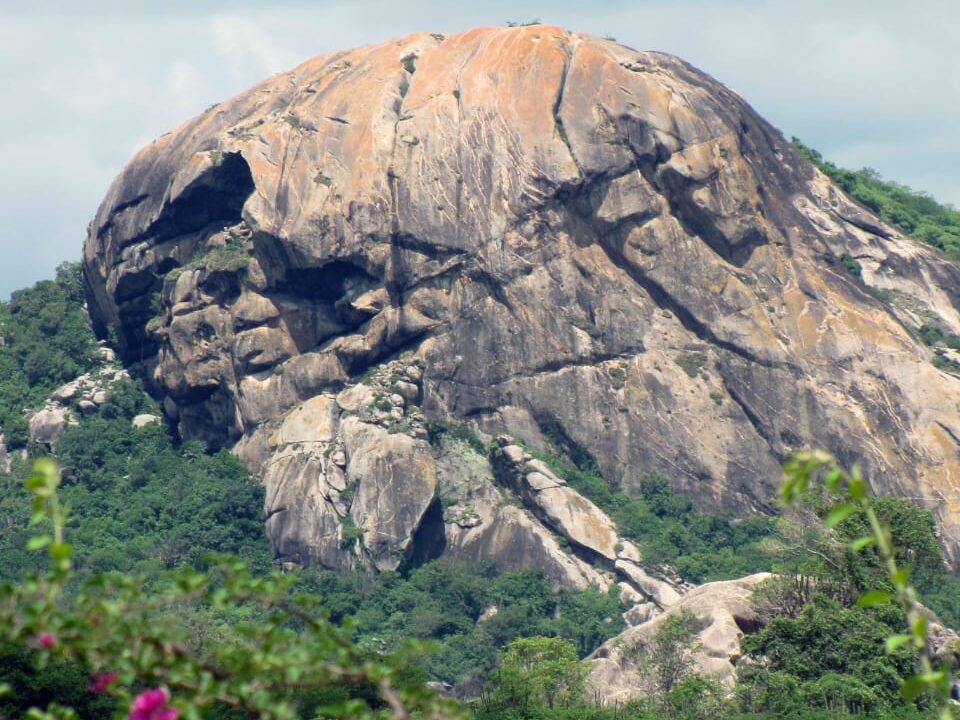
663, 593
144, 419
576, 518
47, 425
396, 484
722, 610
65, 393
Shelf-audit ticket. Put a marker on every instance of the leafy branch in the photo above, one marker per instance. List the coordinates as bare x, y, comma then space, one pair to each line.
130, 636
853, 497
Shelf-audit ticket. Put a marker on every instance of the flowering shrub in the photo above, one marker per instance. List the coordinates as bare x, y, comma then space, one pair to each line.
130, 638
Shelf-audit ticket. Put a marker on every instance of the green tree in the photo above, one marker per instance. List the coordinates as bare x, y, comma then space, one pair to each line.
536, 673
668, 657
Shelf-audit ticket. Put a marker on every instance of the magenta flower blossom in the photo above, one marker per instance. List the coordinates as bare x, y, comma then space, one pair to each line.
46, 640
102, 681
152, 705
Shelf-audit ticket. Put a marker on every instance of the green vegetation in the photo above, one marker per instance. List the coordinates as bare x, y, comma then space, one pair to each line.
44, 343
851, 266
585, 325
140, 504
828, 656
276, 658
469, 612
870, 567
147, 516
436, 429
534, 674
229, 257
941, 361
915, 213
691, 363
668, 658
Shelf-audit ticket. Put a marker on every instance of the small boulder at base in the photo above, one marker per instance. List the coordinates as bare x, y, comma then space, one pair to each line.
145, 419
47, 425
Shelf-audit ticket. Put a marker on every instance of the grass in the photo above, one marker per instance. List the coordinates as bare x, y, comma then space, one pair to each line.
588, 327
691, 363
228, 258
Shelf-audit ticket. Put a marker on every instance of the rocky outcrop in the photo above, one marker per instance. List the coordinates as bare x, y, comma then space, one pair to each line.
724, 613
564, 234
566, 511
84, 395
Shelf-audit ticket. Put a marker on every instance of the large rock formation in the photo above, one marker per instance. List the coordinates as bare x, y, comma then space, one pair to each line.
539, 230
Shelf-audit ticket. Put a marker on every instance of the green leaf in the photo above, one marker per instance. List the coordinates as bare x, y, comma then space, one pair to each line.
912, 687
858, 489
60, 551
900, 577
5, 689
919, 628
839, 514
833, 479
861, 543
38, 542
895, 642
873, 598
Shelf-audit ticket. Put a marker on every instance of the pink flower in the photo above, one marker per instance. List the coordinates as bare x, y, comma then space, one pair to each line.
152, 705
102, 681
46, 640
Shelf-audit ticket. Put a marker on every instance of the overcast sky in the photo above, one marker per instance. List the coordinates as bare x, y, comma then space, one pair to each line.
85, 83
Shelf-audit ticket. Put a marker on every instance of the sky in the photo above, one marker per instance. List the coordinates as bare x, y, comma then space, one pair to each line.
85, 83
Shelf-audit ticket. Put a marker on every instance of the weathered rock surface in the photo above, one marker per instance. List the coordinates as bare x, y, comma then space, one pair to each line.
723, 610
561, 232
48, 424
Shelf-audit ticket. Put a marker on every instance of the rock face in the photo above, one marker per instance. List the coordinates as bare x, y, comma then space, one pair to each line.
559, 234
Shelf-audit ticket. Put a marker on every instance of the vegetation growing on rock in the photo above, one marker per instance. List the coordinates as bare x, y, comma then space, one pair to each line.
915, 213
